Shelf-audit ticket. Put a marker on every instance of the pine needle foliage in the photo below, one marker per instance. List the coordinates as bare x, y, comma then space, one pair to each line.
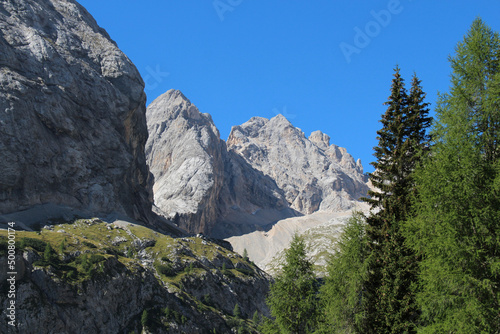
342, 295
456, 228
393, 267
293, 299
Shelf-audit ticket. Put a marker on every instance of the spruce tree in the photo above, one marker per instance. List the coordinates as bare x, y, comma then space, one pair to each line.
456, 227
293, 296
256, 318
392, 266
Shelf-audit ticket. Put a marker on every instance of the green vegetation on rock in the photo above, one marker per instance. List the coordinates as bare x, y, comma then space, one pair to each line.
88, 251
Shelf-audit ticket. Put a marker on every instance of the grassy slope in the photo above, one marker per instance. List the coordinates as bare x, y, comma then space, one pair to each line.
80, 248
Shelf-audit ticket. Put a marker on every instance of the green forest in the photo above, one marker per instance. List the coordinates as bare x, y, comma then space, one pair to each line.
426, 257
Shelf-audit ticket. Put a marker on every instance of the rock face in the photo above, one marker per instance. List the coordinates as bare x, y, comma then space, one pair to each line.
267, 171
72, 120
197, 182
313, 174
185, 156
186, 285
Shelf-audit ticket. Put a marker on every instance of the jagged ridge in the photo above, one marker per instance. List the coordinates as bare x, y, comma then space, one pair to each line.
313, 174
200, 184
267, 172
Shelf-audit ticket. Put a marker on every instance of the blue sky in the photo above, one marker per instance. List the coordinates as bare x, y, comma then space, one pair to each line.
326, 65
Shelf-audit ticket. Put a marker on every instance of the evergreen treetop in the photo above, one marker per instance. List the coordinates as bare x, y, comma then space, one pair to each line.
293, 299
392, 266
457, 211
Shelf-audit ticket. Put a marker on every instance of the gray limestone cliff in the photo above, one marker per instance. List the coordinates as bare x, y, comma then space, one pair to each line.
184, 153
72, 139
199, 184
267, 171
72, 114
313, 174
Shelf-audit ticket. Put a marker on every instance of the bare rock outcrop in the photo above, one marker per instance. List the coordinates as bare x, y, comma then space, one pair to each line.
199, 184
72, 120
185, 156
313, 174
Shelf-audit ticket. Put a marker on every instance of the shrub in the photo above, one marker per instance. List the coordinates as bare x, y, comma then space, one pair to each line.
165, 269
144, 318
189, 269
237, 311
245, 271
36, 244
207, 300
89, 244
168, 312
233, 322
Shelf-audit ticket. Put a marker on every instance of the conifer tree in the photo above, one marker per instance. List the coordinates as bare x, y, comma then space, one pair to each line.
293, 296
256, 318
144, 319
237, 311
48, 254
342, 295
392, 267
456, 227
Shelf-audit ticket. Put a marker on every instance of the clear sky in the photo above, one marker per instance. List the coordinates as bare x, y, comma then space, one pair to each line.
325, 64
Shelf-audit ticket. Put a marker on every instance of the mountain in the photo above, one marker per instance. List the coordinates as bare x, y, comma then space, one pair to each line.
268, 182
185, 156
198, 183
72, 126
76, 146
267, 171
313, 174
72, 153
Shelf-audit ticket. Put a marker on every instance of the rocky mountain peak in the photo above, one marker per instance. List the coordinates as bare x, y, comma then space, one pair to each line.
179, 106
320, 139
280, 119
185, 157
313, 174
197, 182
268, 170
249, 129
256, 128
